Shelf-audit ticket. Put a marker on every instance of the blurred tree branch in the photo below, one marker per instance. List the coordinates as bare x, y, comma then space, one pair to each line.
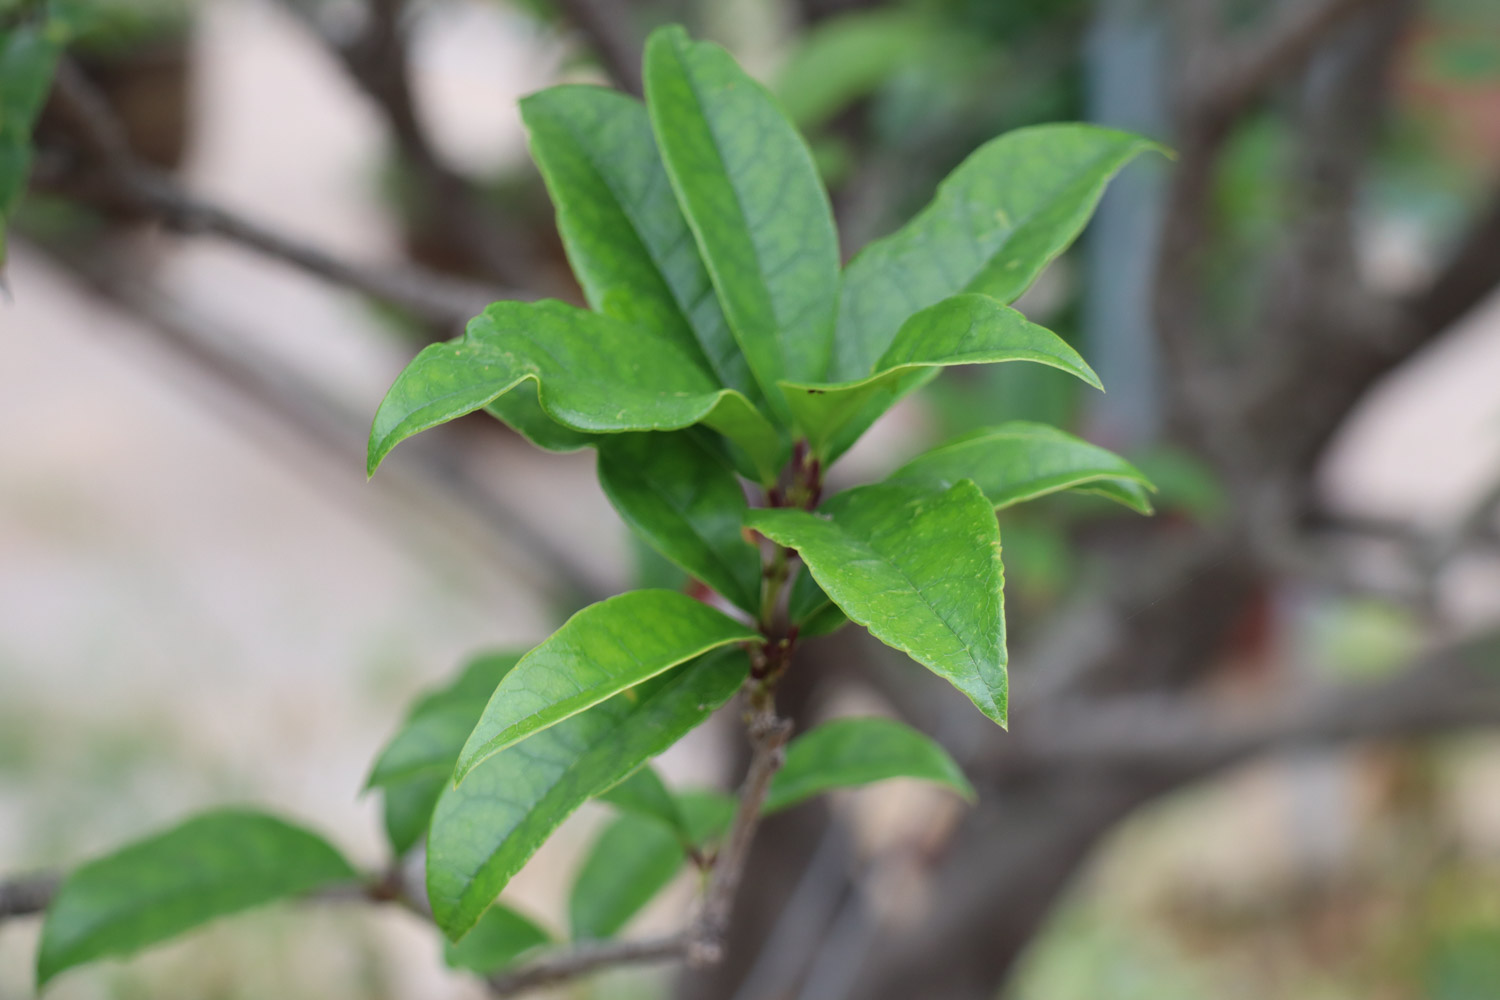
430, 297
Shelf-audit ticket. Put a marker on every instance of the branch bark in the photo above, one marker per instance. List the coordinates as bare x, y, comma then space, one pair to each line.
428, 296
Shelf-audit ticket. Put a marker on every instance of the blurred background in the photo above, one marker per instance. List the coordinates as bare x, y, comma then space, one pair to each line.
1250, 754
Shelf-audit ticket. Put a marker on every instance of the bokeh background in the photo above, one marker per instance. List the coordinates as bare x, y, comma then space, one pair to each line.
203, 601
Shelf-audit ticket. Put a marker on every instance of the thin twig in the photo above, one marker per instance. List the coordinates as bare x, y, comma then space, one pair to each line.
377, 60
768, 734
428, 296
581, 959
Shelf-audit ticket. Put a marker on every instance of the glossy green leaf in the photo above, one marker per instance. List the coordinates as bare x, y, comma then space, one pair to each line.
751, 193
1020, 461
844, 753
590, 373
501, 936
645, 794
28, 56
485, 829
521, 412
965, 329
919, 568
599, 652
625, 236
633, 860
418, 761
1003, 215
683, 498
212, 865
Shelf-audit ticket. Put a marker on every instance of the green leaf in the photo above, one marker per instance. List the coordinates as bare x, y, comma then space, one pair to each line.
1003, 215
521, 412
407, 810
683, 498
966, 329
847, 57
212, 865
28, 57
418, 761
632, 860
599, 652
591, 373
708, 814
1020, 460
625, 236
844, 753
485, 829
644, 794
751, 193
811, 610
919, 568
501, 936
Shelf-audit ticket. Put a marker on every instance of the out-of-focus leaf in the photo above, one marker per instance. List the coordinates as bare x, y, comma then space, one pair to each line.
633, 859
215, 864
644, 794
418, 761
28, 56
501, 936
845, 58
844, 753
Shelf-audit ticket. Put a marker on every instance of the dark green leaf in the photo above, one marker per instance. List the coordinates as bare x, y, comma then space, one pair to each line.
1003, 215
1020, 461
633, 859
429, 741
626, 238
590, 373
920, 569
501, 936
708, 814
811, 610
520, 411
644, 794
28, 56
750, 190
485, 829
418, 761
684, 499
408, 809
966, 329
599, 652
212, 865
848, 752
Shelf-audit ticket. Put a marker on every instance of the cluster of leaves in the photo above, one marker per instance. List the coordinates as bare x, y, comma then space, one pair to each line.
725, 357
